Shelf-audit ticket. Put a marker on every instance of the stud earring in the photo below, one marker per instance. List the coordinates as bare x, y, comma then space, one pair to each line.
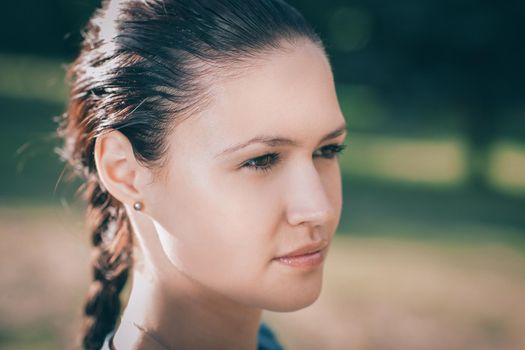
138, 206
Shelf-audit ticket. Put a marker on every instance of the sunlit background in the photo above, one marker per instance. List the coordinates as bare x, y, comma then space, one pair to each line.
430, 251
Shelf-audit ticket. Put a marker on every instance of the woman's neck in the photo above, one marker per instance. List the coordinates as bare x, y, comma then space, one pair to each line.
183, 315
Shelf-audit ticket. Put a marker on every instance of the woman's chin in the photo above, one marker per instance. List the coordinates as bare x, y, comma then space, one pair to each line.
295, 299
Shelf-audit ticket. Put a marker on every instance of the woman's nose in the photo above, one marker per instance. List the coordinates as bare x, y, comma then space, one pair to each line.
308, 202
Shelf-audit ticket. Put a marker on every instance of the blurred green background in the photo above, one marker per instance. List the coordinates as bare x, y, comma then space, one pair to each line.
430, 252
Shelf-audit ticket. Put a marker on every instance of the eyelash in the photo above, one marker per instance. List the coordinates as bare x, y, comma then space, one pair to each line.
274, 158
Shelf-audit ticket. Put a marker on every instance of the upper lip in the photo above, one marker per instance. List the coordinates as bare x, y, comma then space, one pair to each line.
306, 249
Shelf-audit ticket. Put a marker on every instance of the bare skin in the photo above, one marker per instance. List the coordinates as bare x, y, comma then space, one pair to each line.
209, 233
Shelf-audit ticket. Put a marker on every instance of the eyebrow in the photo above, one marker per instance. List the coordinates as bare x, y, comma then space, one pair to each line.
278, 141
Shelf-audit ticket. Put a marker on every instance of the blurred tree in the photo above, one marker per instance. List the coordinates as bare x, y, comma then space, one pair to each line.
435, 60
50, 28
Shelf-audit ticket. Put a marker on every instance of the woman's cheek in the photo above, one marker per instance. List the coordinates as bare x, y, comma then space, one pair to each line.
239, 248
221, 223
209, 241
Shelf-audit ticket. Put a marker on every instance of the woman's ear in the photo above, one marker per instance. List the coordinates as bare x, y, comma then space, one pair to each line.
118, 169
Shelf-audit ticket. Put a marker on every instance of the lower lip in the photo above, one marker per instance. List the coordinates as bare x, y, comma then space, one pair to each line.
306, 260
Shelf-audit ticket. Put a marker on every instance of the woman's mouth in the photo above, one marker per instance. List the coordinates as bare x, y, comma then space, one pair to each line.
305, 260
309, 255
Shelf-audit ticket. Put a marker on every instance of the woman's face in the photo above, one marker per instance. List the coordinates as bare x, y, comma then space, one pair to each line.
222, 221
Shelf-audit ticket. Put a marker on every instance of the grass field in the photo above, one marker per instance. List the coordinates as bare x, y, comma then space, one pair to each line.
378, 293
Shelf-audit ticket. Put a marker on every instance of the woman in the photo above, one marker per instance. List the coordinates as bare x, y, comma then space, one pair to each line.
207, 134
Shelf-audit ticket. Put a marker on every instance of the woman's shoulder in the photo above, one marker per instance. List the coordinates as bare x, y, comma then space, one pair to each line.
266, 340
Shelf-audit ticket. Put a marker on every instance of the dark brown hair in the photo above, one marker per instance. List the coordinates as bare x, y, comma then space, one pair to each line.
142, 70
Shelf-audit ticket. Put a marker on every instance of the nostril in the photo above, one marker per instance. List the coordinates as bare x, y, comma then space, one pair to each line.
310, 215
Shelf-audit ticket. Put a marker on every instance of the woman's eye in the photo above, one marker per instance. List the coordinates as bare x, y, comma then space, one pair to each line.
329, 151
263, 163
267, 161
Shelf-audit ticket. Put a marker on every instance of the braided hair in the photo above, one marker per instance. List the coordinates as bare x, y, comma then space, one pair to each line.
144, 66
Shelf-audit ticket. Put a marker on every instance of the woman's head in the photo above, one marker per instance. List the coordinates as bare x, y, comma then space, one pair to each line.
221, 216
163, 93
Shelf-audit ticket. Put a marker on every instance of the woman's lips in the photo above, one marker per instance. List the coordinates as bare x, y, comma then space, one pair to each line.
303, 260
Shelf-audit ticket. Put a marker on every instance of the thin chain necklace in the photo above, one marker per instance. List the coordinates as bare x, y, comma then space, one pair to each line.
153, 336
150, 334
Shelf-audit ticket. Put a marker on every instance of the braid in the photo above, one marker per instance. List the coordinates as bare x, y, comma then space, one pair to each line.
107, 221
111, 237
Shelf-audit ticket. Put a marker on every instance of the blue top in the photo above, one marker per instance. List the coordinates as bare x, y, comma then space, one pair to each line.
266, 340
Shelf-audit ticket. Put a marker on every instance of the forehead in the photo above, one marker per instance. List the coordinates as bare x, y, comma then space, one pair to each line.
289, 93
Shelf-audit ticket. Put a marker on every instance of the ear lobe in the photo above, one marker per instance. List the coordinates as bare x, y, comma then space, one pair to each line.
117, 166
